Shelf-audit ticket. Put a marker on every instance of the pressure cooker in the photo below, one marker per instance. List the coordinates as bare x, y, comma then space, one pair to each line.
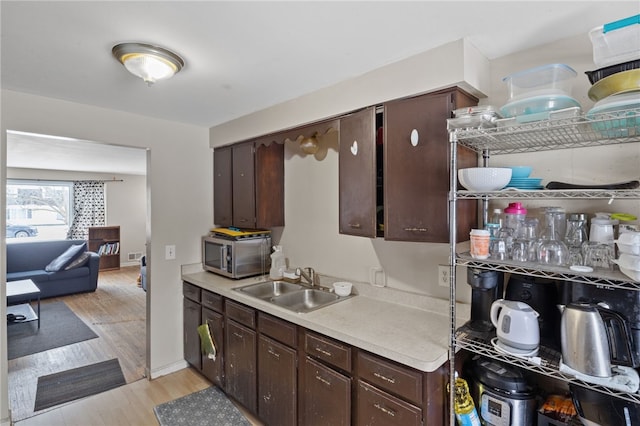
502, 394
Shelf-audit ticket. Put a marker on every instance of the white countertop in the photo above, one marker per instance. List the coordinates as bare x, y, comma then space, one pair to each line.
407, 328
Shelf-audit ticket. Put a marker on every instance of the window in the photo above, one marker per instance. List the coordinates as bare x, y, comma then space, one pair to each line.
38, 209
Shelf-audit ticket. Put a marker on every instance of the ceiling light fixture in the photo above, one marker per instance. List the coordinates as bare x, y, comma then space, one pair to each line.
150, 63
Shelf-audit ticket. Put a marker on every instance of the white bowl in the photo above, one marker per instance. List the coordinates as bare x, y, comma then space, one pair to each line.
484, 178
342, 288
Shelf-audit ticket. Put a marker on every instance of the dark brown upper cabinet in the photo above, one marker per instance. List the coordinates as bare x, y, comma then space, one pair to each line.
401, 168
249, 185
357, 174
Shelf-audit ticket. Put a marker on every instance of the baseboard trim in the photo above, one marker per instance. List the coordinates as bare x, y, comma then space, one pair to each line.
168, 369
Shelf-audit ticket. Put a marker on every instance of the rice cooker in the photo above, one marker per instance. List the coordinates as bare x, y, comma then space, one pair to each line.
502, 394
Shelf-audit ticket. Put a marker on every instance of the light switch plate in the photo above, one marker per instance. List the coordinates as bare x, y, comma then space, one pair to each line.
170, 252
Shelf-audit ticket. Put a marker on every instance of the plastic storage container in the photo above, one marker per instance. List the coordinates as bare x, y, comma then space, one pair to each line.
616, 42
614, 116
556, 78
535, 92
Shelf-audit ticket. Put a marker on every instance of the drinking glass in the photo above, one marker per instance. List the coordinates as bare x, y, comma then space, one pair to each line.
598, 255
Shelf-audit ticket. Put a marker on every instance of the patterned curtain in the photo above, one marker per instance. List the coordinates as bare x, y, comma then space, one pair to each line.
88, 208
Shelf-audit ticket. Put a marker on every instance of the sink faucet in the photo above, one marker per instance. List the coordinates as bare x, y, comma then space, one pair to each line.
308, 274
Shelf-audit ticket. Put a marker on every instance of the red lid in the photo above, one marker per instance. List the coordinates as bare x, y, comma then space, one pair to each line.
515, 208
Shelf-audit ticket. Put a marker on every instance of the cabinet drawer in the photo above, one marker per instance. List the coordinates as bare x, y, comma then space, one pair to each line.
242, 314
191, 291
211, 300
278, 329
328, 350
375, 407
402, 381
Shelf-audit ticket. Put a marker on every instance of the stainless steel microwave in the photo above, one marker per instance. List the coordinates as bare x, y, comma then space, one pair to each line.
236, 258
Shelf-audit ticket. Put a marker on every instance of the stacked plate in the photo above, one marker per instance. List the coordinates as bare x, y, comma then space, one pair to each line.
525, 183
520, 178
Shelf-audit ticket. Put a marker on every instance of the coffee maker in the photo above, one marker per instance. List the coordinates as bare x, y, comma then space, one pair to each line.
486, 287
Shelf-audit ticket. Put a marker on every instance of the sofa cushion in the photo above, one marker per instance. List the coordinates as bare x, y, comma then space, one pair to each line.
36, 276
69, 255
68, 275
78, 261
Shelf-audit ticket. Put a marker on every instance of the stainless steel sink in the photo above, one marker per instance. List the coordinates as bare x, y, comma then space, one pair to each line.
269, 289
306, 300
296, 297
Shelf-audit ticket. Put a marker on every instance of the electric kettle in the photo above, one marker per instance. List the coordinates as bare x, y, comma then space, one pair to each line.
592, 338
516, 325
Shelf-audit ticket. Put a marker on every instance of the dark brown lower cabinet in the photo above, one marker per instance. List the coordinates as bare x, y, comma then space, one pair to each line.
191, 321
277, 387
240, 365
214, 369
376, 407
325, 395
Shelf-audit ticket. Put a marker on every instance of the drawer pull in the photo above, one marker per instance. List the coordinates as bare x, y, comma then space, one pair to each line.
355, 225
385, 378
416, 229
385, 410
239, 336
323, 352
272, 352
326, 382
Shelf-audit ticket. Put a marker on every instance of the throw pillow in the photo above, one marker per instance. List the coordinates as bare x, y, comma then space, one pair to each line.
79, 261
66, 258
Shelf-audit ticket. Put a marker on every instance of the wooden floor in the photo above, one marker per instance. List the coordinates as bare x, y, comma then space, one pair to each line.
116, 312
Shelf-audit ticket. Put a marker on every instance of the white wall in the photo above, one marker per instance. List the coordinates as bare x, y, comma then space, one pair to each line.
180, 205
126, 203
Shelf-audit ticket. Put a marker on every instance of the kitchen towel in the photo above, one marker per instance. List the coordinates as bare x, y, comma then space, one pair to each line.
207, 346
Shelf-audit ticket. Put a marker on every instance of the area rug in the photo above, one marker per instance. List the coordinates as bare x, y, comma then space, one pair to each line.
58, 388
208, 407
59, 326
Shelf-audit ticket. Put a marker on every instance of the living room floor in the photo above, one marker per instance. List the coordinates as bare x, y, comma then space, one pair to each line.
116, 311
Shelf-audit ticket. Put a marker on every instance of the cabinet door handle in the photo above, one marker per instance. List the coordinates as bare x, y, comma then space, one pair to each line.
416, 229
355, 225
414, 137
385, 378
273, 353
323, 352
326, 382
385, 410
239, 336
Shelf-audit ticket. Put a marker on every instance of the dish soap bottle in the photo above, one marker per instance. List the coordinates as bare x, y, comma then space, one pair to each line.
464, 407
278, 263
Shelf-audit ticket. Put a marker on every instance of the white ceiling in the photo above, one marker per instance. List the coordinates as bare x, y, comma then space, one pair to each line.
246, 56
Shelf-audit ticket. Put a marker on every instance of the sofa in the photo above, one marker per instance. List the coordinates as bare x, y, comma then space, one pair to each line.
57, 267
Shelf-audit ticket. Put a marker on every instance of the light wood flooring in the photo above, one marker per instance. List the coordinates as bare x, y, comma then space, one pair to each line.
116, 311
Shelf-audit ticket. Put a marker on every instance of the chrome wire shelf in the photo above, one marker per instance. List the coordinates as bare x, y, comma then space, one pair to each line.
610, 128
549, 363
553, 193
611, 279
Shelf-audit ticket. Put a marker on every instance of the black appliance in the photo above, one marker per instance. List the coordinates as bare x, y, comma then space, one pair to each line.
624, 302
596, 408
502, 394
486, 287
543, 296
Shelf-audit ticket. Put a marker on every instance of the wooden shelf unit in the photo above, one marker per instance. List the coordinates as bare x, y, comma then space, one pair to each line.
98, 237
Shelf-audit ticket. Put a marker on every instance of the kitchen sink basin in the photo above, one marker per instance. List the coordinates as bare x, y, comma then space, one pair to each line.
296, 297
306, 300
269, 289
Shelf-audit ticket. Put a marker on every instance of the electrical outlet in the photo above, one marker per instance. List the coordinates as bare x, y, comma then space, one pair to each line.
443, 275
169, 252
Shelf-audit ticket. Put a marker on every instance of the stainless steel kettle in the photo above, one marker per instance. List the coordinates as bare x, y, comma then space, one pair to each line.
592, 338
